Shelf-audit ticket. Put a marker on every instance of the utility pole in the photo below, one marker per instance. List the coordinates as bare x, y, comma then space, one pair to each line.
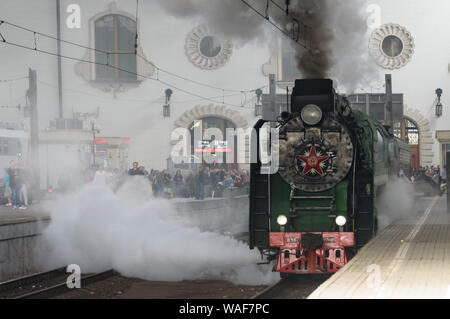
34, 129
388, 104
58, 47
93, 143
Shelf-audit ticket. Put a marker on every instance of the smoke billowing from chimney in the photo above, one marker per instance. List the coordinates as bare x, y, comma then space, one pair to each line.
336, 35
335, 32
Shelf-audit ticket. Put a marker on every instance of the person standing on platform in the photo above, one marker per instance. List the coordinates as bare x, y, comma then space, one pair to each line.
100, 177
135, 170
14, 182
6, 188
202, 181
190, 185
24, 186
179, 183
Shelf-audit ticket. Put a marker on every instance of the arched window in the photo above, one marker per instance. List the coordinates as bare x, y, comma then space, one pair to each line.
116, 35
411, 132
216, 146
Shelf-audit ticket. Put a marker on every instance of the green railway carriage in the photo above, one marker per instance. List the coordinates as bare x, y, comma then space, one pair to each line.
319, 207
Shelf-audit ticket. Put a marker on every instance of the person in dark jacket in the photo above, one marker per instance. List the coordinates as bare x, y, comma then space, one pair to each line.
135, 170
202, 181
179, 183
190, 185
15, 184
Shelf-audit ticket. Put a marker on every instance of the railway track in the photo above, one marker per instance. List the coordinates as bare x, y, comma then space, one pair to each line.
45, 284
293, 287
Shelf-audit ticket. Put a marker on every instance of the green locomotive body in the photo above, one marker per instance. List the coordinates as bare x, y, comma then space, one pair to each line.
319, 207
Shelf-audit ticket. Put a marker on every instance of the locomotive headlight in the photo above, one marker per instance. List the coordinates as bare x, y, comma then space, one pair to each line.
311, 114
340, 221
282, 220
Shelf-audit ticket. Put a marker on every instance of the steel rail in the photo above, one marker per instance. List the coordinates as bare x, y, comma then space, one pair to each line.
260, 295
9, 289
62, 287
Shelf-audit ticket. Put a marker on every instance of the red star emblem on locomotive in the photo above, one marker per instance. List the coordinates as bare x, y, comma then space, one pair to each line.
312, 162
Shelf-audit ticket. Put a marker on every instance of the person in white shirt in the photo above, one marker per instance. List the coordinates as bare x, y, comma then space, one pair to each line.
100, 176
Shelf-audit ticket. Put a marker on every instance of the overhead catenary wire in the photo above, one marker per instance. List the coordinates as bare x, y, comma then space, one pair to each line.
120, 69
267, 18
107, 53
157, 101
13, 80
294, 19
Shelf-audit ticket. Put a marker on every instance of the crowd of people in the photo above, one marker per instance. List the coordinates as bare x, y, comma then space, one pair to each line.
16, 183
433, 175
205, 182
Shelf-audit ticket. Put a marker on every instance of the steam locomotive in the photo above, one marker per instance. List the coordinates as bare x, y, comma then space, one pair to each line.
319, 208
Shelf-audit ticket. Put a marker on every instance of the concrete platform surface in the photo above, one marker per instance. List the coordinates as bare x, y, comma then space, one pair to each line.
409, 259
34, 212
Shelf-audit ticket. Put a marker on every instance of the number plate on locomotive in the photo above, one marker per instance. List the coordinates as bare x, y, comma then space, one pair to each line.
291, 240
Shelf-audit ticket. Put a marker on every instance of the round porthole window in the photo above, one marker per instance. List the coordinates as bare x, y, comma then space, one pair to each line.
206, 50
392, 46
210, 46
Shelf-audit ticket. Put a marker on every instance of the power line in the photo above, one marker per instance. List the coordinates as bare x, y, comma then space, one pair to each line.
294, 19
158, 101
120, 69
13, 80
267, 18
107, 53
193, 81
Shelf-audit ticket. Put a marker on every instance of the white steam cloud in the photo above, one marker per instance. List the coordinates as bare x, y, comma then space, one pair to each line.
140, 237
396, 201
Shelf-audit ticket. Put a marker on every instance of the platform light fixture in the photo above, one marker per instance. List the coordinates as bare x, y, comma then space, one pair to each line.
439, 104
166, 107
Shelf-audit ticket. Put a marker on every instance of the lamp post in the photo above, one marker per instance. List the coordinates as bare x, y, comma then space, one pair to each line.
439, 104
94, 130
166, 107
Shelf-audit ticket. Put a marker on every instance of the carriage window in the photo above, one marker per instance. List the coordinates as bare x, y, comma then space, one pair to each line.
115, 34
380, 147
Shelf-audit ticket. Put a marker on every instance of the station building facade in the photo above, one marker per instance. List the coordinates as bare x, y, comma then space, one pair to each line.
130, 99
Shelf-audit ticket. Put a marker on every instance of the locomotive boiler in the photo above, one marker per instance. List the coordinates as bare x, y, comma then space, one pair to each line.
319, 208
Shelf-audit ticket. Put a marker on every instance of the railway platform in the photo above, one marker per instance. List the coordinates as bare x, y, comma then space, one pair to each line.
10, 216
409, 259
19, 233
